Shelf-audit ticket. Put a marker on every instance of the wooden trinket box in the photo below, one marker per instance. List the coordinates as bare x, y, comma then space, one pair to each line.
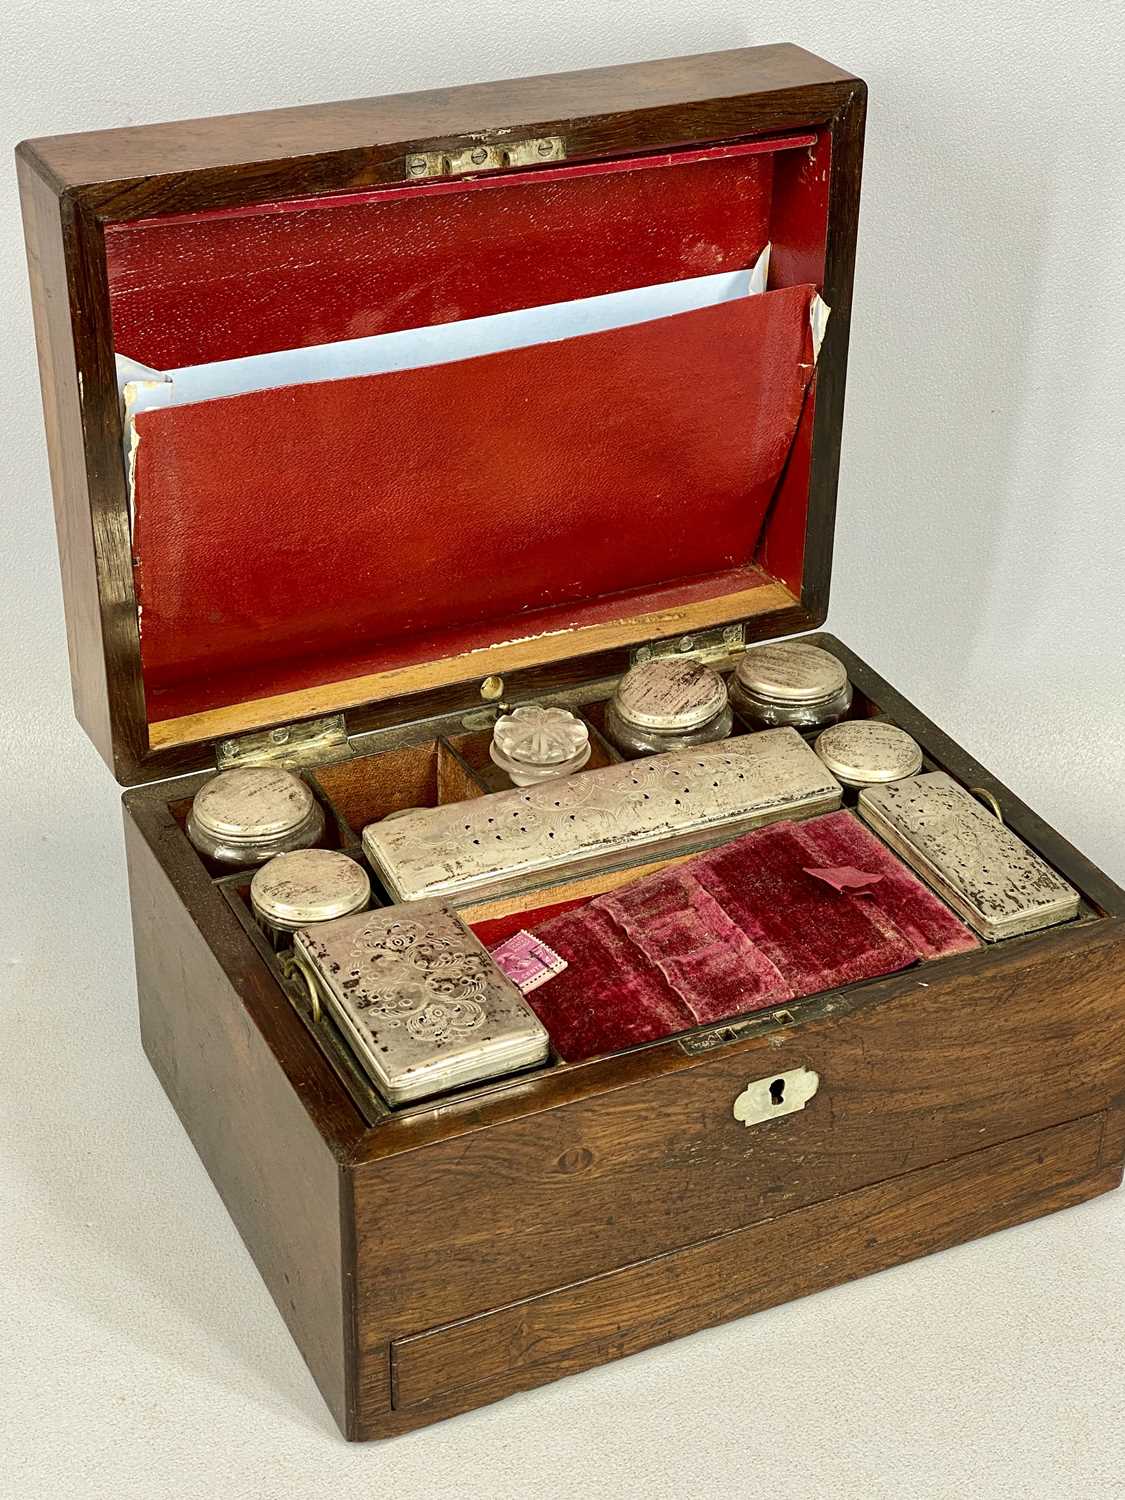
350, 569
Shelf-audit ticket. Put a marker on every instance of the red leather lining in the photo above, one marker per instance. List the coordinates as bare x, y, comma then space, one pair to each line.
189, 291
295, 524
293, 538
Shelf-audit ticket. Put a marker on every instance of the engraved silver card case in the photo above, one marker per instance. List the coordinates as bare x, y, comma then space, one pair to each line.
683, 798
422, 1004
990, 878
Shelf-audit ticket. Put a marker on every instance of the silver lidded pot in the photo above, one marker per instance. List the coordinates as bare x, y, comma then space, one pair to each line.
305, 887
248, 814
790, 683
868, 752
668, 703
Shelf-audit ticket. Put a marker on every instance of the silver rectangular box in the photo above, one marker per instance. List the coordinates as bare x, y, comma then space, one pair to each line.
594, 819
986, 874
423, 1006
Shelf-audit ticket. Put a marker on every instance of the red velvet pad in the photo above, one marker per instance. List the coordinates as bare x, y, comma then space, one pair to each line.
924, 921
318, 521
740, 928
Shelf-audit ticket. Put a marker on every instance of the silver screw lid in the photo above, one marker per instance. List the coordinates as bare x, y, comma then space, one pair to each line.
668, 693
250, 803
309, 885
866, 752
791, 672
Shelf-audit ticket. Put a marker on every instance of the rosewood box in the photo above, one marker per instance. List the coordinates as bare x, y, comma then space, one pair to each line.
368, 422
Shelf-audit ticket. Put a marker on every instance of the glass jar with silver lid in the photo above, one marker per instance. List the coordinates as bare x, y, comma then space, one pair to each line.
790, 682
668, 703
248, 814
304, 887
869, 752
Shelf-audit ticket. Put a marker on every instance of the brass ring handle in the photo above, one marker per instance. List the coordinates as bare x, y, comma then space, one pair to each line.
986, 796
295, 968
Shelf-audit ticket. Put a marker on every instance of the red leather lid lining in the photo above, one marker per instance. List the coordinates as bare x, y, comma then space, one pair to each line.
302, 535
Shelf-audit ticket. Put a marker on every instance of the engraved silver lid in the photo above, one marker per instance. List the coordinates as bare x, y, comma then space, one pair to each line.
670, 693
791, 672
250, 803
423, 1005
866, 752
309, 885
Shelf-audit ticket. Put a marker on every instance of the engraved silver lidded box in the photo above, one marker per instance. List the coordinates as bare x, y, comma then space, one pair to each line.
790, 682
668, 703
987, 875
304, 887
421, 1002
868, 752
246, 815
533, 744
683, 799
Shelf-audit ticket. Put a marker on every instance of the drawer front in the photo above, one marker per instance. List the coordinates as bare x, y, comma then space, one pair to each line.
514, 1347
509, 1211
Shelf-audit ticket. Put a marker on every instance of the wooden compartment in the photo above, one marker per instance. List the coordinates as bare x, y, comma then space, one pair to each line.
418, 775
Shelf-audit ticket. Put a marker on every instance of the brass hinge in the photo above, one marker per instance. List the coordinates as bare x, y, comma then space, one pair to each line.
316, 742
477, 157
701, 645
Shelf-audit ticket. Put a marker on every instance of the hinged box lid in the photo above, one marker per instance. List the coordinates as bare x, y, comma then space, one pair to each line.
352, 407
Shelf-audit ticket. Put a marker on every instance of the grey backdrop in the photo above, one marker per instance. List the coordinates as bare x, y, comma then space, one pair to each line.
979, 556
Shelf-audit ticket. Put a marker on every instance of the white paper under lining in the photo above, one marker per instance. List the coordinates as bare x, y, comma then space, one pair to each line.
143, 389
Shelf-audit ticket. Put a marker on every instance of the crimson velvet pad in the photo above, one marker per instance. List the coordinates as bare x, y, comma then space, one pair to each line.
740, 928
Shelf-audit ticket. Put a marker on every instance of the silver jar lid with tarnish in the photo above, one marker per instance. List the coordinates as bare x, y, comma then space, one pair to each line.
790, 682
533, 744
248, 814
668, 703
307, 886
868, 752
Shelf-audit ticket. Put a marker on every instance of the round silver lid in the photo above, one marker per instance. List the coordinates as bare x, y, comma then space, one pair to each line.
252, 802
867, 751
791, 672
670, 693
309, 885
535, 736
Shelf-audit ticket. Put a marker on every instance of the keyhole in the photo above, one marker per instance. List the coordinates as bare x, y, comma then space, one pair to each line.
777, 1090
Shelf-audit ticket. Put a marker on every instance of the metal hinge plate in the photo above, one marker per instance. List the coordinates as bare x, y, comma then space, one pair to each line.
475, 156
701, 645
734, 1031
316, 742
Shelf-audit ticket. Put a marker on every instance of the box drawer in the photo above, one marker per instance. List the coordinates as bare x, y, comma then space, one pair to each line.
537, 1340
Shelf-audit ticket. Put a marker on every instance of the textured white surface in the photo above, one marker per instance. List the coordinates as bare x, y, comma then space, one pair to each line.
979, 565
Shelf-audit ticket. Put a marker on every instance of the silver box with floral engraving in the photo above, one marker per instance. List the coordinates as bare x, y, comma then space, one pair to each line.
423, 1006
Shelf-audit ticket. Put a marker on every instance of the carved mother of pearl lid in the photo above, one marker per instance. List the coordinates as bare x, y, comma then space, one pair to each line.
537, 736
252, 802
670, 693
864, 752
309, 885
791, 672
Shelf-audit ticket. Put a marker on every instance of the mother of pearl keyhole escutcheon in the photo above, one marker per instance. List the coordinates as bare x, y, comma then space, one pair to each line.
775, 1095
